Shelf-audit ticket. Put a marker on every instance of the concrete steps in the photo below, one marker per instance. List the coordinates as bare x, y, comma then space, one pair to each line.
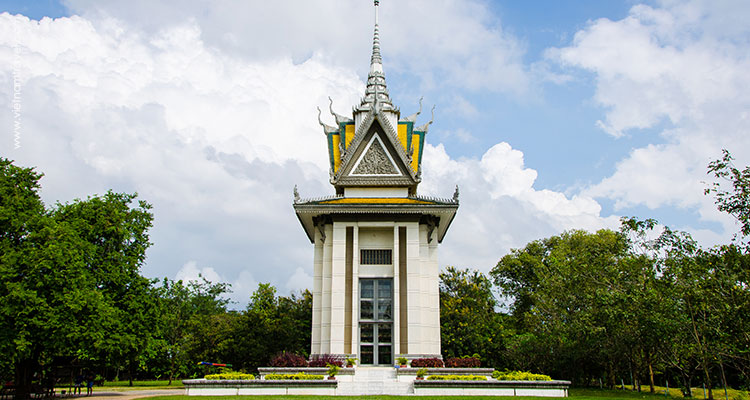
374, 381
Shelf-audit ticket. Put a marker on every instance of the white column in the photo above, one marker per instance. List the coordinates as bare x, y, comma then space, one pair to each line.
325, 320
432, 271
396, 291
317, 292
338, 285
355, 292
414, 289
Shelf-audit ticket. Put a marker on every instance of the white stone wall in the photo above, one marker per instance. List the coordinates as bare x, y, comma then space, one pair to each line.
423, 313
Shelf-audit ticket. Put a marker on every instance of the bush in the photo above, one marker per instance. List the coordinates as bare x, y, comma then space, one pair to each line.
427, 363
456, 378
287, 359
323, 360
230, 376
519, 376
301, 376
463, 362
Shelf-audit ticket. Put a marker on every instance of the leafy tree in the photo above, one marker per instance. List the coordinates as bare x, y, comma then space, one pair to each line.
468, 322
271, 324
737, 201
69, 275
185, 307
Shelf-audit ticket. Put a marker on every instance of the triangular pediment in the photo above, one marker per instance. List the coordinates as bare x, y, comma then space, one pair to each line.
375, 160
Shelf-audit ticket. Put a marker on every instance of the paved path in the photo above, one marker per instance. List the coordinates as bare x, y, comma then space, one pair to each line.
130, 394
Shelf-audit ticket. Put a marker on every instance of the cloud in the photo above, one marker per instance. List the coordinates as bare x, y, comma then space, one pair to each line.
448, 43
680, 69
239, 289
215, 143
499, 207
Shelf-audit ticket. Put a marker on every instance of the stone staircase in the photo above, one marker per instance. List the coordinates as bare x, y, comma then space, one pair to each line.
373, 381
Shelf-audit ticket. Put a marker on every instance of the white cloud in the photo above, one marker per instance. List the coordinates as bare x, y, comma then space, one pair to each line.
300, 280
214, 142
681, 68
499, 207
191, 272
459, 44
240, 288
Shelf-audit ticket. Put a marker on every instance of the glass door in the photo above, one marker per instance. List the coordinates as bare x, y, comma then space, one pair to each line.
376, 321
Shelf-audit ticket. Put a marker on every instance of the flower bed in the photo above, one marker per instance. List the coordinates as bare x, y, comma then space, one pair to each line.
236, 376
301, 376
457, 378
519, 376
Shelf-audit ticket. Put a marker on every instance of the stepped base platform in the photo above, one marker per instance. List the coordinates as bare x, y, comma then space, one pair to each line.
362, 381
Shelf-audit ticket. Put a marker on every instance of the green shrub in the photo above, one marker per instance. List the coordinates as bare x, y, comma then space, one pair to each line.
230, 376
519, 376
456, 378
300, 376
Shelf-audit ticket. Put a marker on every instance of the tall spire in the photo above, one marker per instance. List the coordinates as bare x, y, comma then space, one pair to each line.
376, 94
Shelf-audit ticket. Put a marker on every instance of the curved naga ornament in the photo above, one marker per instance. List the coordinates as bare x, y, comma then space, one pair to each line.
326, 128
340, 119
424, 127
413, 117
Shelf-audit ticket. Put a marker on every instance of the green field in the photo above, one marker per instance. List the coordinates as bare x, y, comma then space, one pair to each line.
581, 394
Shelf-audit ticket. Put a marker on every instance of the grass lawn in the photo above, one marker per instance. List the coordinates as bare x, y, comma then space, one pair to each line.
140, 385
579, 394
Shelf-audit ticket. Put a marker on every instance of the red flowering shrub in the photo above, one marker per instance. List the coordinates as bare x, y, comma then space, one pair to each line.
287, 359
427, 363
323, 360
462, 362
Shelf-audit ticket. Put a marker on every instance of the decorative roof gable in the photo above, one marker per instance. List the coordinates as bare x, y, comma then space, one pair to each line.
375, 157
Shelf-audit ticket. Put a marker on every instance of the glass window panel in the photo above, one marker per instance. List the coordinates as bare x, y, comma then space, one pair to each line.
384, 310
365, 309
366, 291
384, 333
384, 289
367, 333
366, 355
384, 355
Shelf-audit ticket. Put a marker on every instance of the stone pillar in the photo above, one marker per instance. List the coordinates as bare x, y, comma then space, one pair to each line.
431, 270
355, 293
338, 284
325, 320
396, 337
414, 288
317, 292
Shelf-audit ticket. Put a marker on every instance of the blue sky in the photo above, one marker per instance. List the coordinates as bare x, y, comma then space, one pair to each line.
550, 115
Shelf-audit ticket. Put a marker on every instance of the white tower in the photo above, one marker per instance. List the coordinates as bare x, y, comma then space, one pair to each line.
375, 290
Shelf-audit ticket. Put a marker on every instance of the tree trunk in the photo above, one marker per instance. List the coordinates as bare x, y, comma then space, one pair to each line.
130, 373
687, 381
611, 376
171, 370
707, 378
651, 376
723, 378
23, 378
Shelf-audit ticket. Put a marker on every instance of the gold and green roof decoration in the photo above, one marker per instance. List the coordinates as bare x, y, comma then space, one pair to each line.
376, 147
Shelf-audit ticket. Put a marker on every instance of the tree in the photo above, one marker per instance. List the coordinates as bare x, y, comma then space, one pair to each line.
468, 322
69, 275
736, 201
271, 324
184, 306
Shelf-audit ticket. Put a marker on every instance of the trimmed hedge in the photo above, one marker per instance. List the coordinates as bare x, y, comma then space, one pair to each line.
288, 359
322, 360
230, 376
519, 376
463, 362
300, 376
456, 378
427, 363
